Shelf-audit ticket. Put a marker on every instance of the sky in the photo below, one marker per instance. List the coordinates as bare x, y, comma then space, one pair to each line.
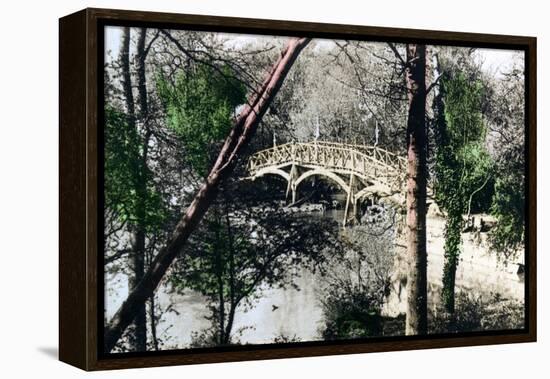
496, 61
493, 61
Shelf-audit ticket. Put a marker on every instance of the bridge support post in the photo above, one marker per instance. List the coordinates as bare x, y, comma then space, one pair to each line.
356, 208
350, 200
291, 187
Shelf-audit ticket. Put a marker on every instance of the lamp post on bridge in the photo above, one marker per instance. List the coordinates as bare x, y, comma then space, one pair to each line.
376, 133
317, 130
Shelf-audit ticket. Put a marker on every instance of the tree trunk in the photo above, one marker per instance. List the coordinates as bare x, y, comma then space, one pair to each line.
453, 223
243, 129
138, 340
153, 322
453, 234
141, 55
219, 269
126, 76
232, 305
415, 72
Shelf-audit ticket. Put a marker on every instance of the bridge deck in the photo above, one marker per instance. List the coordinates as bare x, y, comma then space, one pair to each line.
369, 163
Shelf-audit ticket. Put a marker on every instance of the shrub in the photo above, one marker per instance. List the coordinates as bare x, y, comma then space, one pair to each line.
475, 313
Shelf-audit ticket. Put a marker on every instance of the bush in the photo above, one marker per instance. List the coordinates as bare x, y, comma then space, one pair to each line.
474, 313
358, 281
351, 312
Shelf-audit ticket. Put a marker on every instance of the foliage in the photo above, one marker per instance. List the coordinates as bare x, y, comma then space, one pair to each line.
507, 115
350, 312
354, 91
199, 108
463, 165
126, 172
509, 209
282, 338
238, 253
357, 283
475, 313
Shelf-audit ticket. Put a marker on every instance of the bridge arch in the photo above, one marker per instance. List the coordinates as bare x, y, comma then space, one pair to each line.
396, 198
322, 172
272, 171
357, 170
373, 189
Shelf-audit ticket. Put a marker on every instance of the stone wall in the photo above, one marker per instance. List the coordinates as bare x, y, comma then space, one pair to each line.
480, 269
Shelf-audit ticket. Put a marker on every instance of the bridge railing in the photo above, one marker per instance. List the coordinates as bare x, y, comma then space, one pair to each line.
385, 157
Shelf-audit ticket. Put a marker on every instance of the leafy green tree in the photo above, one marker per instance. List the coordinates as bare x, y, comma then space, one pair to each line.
463, 166
236, 253
509, 209
134, 206
243, 128
125, 170
134, 211
200, 106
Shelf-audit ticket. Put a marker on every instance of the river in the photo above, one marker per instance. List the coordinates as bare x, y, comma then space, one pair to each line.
297, 314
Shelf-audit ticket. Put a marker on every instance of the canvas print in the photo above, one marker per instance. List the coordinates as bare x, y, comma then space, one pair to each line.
275, 190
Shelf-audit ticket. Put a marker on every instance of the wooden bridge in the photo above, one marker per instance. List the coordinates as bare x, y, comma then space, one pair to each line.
360, 171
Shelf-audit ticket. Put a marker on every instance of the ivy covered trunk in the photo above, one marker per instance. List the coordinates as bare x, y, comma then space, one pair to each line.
453, 230
243, 129
415, 74
463, 169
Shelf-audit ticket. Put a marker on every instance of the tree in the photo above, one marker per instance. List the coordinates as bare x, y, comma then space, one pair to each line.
414, 68
138, 235
357, 281
415, 77
223, 265
364, 80
463, 166
239, 252
199, 108
132, 201
243, 129
507, 123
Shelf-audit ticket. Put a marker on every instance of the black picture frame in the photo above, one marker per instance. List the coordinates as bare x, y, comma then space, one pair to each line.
81, 204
